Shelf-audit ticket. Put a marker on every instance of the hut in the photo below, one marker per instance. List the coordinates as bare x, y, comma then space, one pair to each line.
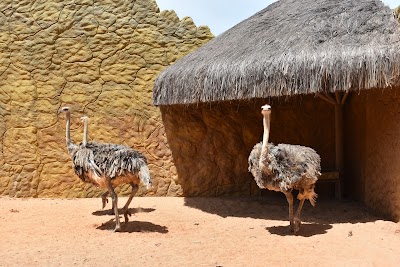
330, 69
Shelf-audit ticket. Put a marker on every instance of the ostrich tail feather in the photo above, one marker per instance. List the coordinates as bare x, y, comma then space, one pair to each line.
144, 175
313, 199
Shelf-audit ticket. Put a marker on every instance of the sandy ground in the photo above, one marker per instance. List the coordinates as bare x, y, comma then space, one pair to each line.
193, 232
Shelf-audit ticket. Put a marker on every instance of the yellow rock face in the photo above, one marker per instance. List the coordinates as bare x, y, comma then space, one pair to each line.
101, 59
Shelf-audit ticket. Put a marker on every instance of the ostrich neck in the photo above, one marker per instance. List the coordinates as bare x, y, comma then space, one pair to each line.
264, 147
67, 128
85, 132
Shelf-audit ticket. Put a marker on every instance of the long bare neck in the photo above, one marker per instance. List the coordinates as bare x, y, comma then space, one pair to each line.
85, 132
70, 146
68, 128
264, 147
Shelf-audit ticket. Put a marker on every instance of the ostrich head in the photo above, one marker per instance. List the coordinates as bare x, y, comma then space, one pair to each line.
64, 109
84, 119
266, 109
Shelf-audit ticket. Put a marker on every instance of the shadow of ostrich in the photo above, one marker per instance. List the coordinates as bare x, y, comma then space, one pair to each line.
135, 227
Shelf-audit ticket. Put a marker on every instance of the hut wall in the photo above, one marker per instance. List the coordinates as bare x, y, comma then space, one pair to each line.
354, 147
382, 168
372, 150
210, 143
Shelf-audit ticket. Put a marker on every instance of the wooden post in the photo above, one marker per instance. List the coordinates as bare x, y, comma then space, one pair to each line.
338, 101
339, 133
339, 146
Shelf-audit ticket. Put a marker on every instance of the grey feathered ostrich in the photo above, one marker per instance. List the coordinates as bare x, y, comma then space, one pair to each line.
119, 164
85, 121
285, 167
107, 166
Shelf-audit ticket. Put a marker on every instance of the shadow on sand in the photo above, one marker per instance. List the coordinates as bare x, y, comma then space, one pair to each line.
315, 220
131, 210
134, 227
306, 230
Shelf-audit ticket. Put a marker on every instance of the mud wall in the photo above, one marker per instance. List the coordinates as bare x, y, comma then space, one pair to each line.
382, 152
210, 144
374, 149
99, 57
354, 119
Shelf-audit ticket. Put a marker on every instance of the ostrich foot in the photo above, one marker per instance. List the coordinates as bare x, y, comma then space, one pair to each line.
126, 213
292, 227
297, 224
117, 228
104, 200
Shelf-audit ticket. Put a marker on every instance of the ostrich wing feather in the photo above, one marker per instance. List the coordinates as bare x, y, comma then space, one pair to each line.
287, 166
83, 161
117, 160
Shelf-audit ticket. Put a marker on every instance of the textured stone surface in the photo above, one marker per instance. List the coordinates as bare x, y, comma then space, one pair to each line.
100, 58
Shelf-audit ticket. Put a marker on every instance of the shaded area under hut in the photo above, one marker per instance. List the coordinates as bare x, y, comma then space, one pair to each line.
330, 70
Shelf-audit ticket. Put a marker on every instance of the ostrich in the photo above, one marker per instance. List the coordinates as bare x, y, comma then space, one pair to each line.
107, 166
119, 164
285, 167
111, 148
85, 121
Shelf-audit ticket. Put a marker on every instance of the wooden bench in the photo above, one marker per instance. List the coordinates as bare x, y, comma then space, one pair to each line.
333, 177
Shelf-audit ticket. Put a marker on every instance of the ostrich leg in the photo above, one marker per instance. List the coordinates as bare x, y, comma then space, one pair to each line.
104, 199
114, 198
289, 198
135, 188
297, 221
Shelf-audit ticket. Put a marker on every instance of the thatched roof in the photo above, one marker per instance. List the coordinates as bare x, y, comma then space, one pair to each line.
290, 47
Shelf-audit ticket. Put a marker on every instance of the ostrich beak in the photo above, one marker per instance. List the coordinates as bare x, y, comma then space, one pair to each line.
63, 109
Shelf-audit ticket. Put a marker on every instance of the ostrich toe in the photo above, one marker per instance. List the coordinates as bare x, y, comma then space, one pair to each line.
297, 224
126, 213
104, 200
291, 229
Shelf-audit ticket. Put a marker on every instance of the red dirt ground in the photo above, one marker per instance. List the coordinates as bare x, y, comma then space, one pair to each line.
193, 232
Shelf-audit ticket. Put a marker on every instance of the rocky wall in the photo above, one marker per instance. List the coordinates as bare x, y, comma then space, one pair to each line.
210, 143
100, 57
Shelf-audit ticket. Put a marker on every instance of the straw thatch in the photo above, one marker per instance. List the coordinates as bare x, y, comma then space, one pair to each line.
291, 47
